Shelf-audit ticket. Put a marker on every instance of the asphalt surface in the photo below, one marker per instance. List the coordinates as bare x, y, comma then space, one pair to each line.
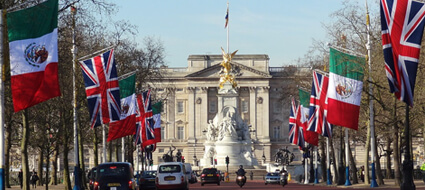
259, 184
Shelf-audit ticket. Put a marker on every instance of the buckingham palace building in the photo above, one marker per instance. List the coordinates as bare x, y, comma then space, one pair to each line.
190, 101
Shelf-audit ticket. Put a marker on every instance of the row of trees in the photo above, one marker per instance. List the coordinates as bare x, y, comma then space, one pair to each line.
46, 129
348, 29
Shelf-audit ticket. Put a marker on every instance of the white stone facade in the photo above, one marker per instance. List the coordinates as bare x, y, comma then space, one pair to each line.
190, 100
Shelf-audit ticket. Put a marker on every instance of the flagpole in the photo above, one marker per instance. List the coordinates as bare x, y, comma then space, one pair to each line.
74, 62
122, 149
328, 163
137, 158
227, 27
95, 53
347, 160
2, 156
104, 142
305, 166
316, 179
371, 112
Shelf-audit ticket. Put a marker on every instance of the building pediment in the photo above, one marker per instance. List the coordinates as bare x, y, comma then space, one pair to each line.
239, 70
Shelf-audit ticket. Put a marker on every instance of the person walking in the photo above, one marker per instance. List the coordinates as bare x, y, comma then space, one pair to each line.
423, 171
33, 180
20, 175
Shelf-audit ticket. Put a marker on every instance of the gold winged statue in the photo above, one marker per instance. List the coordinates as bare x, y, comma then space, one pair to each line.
227, 69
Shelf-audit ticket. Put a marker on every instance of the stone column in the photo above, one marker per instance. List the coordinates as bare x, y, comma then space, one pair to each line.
191, 113
202, 102
253, 107
265, 128
170, 128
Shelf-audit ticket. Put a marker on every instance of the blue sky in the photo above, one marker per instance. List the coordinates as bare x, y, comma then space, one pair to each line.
282, 29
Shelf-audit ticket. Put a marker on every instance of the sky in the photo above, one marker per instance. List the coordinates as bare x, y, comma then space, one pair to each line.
282, 29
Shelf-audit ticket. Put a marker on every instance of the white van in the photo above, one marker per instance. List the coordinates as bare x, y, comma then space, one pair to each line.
171, 175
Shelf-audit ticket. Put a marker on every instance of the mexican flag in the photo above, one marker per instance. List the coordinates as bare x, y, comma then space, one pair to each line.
156, 111
309, 136
33, 41
345, 88
127, 123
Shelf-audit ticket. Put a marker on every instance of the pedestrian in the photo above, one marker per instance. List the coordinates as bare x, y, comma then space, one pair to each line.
20, 175
33, 180
362, 173
251, 175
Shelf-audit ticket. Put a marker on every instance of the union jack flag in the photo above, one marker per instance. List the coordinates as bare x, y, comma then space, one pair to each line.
144, 120
102, 89
402, 23
318, 106
296, 135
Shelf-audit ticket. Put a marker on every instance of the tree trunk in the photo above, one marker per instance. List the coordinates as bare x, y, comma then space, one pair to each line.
379, 177
65, 138
332, 154
81, 157
95, 147
117, 148
366, 162
388, 158
40, 167
110, 151
353, 167
130, 150
24, 152
47, 165
54, 176
396, 148
7, 145
323, 159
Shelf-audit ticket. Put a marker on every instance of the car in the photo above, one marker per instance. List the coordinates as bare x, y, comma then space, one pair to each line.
171, 175
114, 176
272, 177
189, 173
147, 180
91, 177
210, 175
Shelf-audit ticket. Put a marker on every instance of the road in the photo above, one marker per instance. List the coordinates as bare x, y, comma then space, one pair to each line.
259, 184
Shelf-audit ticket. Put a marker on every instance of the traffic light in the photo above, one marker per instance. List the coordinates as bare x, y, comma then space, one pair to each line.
227, 159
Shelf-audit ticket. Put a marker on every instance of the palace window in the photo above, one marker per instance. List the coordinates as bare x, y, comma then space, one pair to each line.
276, 132
180, 108
180, 132
277, 108
212, 107
162, 133
245, 107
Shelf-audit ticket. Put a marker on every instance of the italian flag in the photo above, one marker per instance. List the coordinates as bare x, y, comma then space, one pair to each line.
127, 123
345, 89
33, 40
156, 111
309, 136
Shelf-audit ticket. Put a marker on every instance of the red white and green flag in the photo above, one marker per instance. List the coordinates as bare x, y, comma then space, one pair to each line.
309, 136
156, 111
127, 123
345, 88
33, 44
